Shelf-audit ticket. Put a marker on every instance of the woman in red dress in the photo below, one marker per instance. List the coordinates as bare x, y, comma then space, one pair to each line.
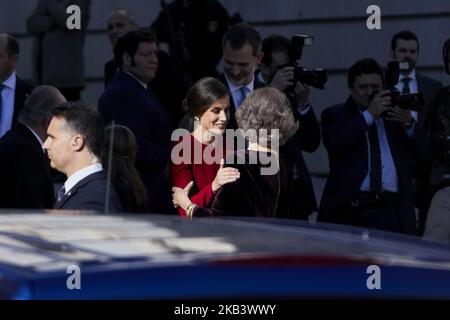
198, 156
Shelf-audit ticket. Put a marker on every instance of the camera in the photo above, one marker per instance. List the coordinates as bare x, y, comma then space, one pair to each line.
414, 102
312, 77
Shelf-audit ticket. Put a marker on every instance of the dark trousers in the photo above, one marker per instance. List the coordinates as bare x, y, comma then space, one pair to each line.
369, 212
300, 204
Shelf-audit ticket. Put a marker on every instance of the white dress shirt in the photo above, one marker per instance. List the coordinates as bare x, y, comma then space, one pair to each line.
80, 175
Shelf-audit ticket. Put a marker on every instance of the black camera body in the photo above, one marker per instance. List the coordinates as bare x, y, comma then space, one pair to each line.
414, 102
312, 77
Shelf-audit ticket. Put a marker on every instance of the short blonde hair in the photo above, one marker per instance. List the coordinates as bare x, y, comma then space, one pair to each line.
267, 108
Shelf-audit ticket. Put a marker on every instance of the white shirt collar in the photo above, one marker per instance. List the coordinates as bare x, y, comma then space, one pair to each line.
412, 75
142, 83
11, 81
80, 175
261, 78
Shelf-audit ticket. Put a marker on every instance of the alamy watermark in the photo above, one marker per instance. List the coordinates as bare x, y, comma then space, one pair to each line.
74, 280
374, 20
374, 280
186, 153
73, 22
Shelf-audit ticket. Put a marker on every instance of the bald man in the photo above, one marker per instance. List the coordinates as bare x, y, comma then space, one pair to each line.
119, 23
24, 167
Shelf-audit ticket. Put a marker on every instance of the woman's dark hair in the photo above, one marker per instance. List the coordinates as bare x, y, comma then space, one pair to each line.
202, 95
124, 175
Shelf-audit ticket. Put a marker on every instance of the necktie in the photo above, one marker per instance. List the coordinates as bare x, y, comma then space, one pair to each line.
406, 89
375, 160
1, 102
61, 193
243, 92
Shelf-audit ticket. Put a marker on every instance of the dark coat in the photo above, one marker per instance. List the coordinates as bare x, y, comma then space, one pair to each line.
429, 88
343, 131
25, 171
90, 194
23, 90
307, 138
254, 193
128, 103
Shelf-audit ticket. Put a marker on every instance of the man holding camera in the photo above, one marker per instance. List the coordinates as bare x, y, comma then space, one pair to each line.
369, 144
277, 69
405, 47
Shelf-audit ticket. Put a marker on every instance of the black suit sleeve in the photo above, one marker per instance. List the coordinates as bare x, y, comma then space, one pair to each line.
308, 135
126, 109
339, 136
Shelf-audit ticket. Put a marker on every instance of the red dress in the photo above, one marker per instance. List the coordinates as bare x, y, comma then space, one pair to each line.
200, 163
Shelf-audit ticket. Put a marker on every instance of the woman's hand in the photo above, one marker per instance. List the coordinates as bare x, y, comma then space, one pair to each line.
180, 196
224, 176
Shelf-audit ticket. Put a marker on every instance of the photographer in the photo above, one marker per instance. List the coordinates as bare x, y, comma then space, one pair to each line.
369, 144
276, 68
405, 47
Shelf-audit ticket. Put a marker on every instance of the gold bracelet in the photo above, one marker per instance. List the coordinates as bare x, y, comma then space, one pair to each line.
190, 210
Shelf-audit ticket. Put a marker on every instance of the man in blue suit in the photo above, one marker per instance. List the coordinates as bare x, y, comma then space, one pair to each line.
74, 146
370, 144
128, 101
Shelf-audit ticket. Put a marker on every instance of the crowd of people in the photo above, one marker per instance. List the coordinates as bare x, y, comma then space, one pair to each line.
168, 137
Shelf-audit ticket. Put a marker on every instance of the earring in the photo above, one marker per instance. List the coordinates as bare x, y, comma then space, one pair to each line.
196, 118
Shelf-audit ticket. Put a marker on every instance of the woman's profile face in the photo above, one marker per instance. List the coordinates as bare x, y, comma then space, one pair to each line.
215, 119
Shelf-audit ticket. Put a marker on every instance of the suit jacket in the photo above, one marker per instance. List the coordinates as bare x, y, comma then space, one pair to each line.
232, 122
127, 102
110, 71
429, 88
25, 171
90, 194
23, 90
343, 131
168, 85
307, 138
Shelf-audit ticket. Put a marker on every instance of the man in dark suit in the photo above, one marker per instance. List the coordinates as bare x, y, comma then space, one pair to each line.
24, 167
241, 47
241, 55
74, 146
128, 102
405, 47
13, 91
275, 69
370, 144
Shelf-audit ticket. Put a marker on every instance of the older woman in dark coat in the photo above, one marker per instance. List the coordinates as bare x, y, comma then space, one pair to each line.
266, 120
